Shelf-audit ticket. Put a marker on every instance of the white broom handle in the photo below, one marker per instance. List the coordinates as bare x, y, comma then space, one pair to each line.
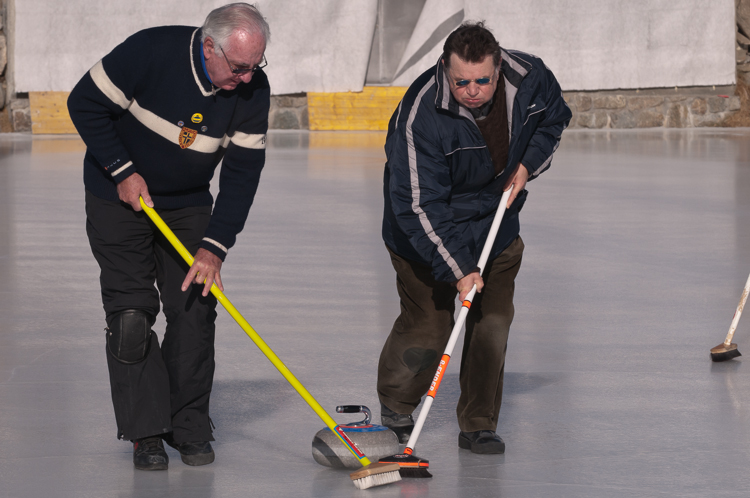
738, 313
501, 208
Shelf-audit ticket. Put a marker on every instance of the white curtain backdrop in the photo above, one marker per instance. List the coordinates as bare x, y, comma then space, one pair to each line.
316, 45
609, 44
324, 45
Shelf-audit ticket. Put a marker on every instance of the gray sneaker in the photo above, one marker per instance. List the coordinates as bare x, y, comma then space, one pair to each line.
399, 423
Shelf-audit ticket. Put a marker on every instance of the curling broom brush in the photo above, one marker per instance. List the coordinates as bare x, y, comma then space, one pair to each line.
728, 350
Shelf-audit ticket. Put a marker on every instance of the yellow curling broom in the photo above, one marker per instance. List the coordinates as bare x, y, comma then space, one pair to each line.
375, 474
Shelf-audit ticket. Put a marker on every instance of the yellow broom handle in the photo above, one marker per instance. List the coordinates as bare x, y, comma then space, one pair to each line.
289, 376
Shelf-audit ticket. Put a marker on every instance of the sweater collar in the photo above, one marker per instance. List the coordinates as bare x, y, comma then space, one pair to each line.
196, 64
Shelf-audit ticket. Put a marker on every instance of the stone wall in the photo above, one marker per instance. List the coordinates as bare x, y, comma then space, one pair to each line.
288, 112
676, 108
5, 122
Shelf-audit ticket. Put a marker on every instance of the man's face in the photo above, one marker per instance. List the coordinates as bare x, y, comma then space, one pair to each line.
473, 94
242, 51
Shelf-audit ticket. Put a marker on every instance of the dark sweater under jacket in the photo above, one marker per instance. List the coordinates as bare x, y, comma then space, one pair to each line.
148, 107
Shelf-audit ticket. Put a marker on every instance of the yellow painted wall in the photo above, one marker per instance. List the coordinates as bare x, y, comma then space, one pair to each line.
370, 109
49, 113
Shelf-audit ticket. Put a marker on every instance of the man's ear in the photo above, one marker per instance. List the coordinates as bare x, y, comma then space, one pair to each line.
208, 46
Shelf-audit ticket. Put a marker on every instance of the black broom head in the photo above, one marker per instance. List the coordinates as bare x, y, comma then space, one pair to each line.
722, 352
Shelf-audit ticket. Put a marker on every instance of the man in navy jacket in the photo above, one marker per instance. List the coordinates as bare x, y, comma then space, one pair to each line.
158, 114
482, 119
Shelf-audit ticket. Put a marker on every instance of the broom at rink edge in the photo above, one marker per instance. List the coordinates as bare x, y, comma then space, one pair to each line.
728, 350
409, 464
375, 474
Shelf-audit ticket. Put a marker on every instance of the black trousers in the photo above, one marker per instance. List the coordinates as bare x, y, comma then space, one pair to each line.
412, 352
168, 391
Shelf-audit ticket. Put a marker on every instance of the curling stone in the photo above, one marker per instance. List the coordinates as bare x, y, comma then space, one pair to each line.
375, 441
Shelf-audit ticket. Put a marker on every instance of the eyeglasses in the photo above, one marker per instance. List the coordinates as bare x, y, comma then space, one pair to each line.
243, 70
478, 81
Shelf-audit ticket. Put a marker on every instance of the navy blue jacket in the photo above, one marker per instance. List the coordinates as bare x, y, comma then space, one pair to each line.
148, 107
440, 186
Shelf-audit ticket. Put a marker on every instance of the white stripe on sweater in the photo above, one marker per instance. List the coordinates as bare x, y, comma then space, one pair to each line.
102, 81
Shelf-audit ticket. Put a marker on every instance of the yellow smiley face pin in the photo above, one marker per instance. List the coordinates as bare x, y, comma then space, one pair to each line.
197, 117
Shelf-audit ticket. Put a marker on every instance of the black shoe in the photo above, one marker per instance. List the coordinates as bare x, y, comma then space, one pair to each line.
149, 454
482, 442
193, 453
399, 423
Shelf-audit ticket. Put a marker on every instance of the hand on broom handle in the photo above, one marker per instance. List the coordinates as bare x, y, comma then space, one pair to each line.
330, 423
466, 304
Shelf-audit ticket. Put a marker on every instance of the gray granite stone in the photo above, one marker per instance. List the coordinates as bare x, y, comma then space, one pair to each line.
649, 118
596, 119
284, 119
582, 103
623, 119
638, 103
698, 106
294, 100
717, 104
304, 120
610, 102
677, 116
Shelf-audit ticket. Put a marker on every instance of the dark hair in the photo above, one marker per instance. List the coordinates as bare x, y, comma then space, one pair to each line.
471, 42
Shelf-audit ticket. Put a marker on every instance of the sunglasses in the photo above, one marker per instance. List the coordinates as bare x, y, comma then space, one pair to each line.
478, 81
243, 70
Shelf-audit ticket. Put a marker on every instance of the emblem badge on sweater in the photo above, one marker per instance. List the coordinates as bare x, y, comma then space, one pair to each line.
197, 117
187, 137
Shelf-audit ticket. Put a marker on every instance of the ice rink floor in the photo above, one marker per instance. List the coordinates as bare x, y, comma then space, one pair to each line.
637, 249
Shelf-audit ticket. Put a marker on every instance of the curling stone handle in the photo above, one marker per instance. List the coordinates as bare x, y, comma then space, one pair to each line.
356, 409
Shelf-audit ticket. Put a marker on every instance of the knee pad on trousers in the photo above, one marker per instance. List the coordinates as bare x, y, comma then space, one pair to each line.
129, 335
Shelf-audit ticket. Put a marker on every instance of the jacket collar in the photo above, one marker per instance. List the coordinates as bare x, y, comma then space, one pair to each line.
513, 68
205, 86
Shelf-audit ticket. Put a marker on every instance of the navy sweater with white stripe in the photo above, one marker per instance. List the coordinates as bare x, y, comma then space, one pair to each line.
148, 107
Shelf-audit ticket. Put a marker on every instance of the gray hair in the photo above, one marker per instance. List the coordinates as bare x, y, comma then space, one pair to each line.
222, 22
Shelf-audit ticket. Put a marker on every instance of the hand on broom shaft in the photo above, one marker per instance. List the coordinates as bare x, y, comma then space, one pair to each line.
205, 269
518, 182
131, 189
465, 285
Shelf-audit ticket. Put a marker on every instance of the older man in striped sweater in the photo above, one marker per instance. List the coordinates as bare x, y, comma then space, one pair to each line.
158, 114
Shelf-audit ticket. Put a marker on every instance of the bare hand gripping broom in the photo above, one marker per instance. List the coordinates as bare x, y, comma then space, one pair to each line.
372, 474
410, 465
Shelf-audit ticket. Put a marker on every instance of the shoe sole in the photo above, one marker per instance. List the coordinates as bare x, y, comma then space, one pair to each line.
481, 449
463, 443
198, 460
156, 466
